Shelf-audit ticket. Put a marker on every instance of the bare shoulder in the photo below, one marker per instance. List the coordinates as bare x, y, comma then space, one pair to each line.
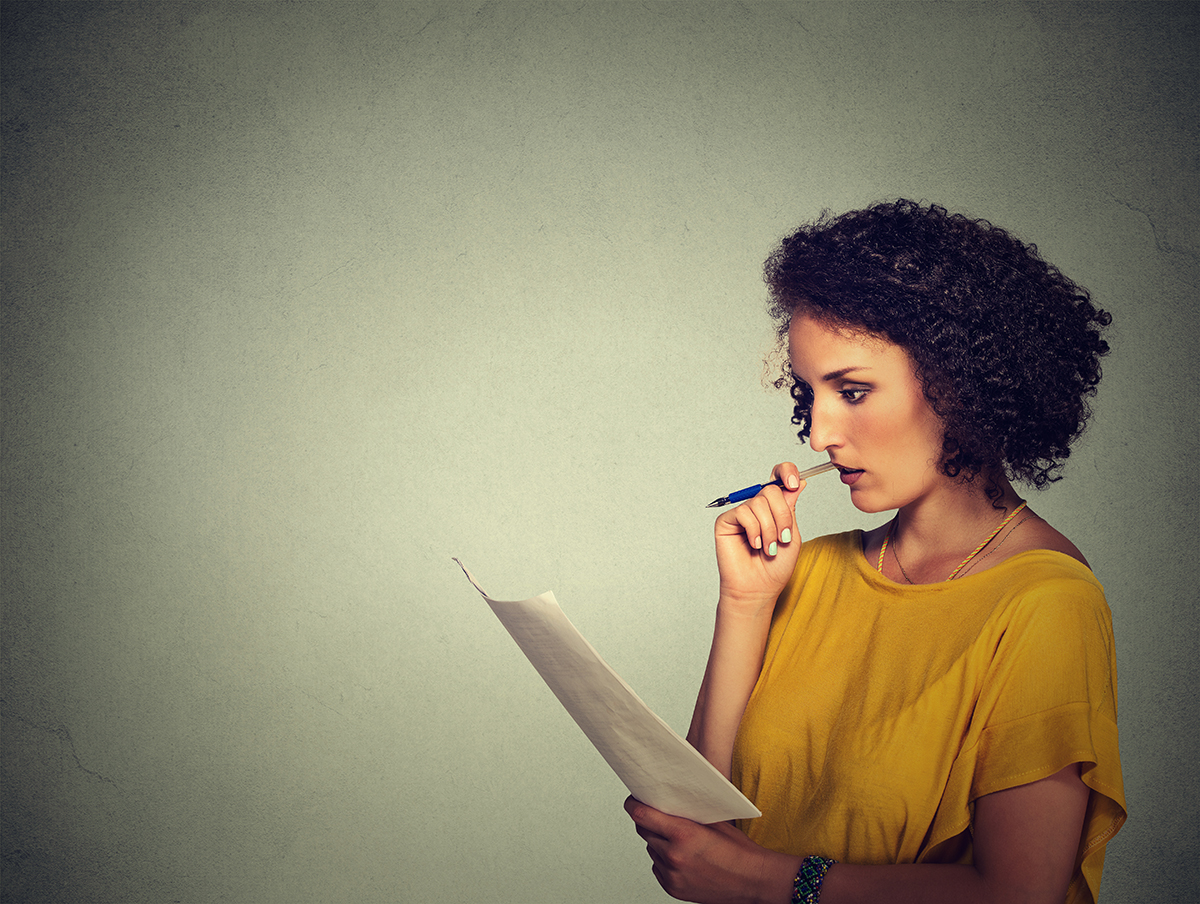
1035, 532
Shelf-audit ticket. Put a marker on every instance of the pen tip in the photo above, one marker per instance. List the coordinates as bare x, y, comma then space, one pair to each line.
717, 503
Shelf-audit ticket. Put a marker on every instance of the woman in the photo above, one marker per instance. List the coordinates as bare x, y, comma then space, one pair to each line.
925, 711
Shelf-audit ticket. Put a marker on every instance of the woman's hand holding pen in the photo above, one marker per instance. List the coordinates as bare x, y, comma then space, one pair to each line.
758, 543
757, 547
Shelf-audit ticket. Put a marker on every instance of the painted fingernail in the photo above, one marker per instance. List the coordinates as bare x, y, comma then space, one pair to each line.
793, 481
786, 536
758, 542
772, 549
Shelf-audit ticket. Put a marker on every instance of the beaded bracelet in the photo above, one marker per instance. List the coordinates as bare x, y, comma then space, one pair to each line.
807, 887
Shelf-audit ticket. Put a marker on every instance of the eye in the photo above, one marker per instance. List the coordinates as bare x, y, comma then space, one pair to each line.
853, 396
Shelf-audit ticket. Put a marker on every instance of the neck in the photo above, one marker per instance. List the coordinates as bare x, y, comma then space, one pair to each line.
933, 534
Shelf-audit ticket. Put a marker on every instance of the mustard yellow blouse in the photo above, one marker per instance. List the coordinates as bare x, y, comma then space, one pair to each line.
883, 711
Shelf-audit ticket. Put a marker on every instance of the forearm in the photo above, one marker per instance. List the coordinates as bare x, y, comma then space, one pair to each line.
1025, 841
757, 546
923, 883
739, 638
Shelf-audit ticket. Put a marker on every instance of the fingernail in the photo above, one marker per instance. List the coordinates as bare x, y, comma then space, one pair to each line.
793, 482
772, 549
786, 536
758, 542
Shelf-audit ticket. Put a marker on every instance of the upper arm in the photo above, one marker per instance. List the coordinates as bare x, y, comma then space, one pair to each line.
1026, 839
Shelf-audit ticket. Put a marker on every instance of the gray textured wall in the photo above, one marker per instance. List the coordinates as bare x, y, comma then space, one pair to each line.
302, 299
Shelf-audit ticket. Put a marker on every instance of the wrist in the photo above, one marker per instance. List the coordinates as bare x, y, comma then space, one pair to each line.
746, 605
806, 887
775, 879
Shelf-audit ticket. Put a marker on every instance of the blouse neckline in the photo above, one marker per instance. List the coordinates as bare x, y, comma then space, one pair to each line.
867, 567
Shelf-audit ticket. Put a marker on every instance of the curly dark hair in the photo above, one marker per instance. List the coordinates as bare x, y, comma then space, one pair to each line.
1007, 348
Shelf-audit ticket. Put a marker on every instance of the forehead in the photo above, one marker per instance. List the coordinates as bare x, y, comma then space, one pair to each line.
818, 346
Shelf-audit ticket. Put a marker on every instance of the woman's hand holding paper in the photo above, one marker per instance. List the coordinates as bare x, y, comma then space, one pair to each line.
710, 864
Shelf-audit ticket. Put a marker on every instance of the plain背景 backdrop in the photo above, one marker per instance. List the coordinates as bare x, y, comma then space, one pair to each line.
300, 300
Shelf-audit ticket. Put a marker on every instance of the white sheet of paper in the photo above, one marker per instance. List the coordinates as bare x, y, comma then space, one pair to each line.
657, 766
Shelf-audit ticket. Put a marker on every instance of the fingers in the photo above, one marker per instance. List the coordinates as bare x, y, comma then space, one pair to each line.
756, 519
767, 520
695, 862
789, 474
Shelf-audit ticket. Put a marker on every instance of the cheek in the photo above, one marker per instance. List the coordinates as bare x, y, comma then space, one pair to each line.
928, 433
913, 433
897, 428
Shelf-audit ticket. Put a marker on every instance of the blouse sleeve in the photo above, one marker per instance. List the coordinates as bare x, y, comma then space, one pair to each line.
1048, 699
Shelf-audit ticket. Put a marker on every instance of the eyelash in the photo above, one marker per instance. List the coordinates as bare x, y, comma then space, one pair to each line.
847, 394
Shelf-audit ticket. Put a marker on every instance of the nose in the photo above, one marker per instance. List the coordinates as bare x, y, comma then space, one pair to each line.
823, 432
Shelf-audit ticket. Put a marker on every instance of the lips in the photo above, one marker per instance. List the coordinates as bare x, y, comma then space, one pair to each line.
849, 475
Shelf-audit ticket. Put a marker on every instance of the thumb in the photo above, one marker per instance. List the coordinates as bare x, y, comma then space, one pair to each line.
646, 817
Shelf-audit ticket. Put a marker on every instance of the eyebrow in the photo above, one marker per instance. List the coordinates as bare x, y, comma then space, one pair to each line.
838, 374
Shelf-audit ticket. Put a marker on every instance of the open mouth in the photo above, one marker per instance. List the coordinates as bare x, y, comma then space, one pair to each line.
849, 476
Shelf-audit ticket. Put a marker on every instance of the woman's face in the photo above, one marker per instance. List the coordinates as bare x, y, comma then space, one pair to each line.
869, 414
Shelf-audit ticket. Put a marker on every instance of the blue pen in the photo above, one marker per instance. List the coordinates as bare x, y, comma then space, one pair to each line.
751, 492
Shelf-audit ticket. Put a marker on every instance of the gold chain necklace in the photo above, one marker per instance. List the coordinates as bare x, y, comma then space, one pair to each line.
896, 555
961, 565
1003, 540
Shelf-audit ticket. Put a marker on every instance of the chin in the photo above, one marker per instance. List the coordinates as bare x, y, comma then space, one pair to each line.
868, 505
